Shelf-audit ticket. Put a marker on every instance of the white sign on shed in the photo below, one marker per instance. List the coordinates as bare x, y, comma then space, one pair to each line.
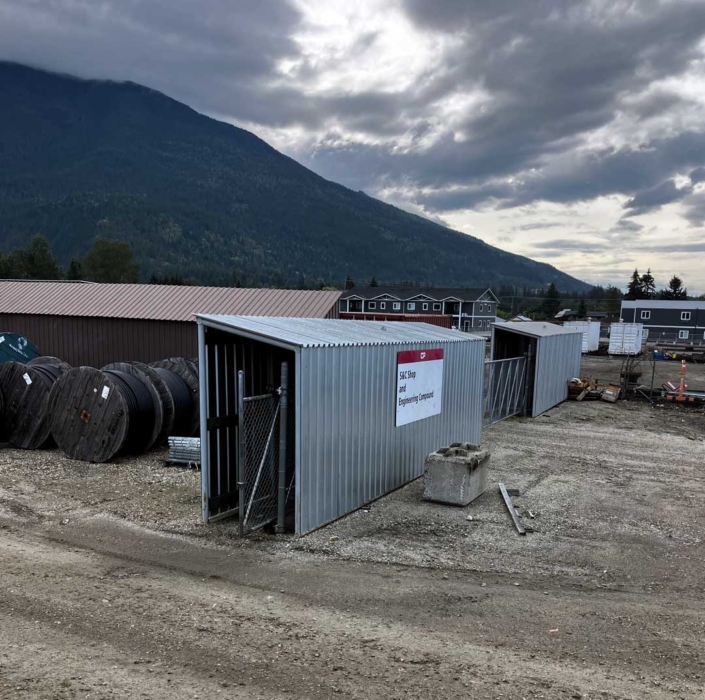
419, 385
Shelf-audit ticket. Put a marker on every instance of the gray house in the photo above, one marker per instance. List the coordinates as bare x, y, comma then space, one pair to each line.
667, 321
471, 310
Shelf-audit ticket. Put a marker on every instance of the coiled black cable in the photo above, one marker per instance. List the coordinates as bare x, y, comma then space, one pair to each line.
140, 409
48, 373
183, 401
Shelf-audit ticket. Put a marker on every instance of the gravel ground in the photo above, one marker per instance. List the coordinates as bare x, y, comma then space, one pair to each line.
113, 588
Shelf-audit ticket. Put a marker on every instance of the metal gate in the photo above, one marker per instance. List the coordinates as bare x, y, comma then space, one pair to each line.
264, 463
505, 390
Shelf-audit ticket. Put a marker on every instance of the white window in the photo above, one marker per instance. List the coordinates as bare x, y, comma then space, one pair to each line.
371, 304
645, 315
436, 307
683, 335
425, 307
482, 308
382, 304
396, 306
644, 333
685, 315
411, 306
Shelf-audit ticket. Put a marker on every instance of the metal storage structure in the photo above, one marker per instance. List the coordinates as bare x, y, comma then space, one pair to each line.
553, 353
346, 444
626, 338
590, 331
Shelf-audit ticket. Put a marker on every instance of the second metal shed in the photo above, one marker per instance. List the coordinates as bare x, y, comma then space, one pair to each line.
365, 403
553, 354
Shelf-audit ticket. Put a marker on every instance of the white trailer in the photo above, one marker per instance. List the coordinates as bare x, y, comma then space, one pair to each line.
626, 338
590, 331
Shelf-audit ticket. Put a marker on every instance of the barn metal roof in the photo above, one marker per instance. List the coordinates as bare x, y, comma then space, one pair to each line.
537, 329
316, 332
159, 302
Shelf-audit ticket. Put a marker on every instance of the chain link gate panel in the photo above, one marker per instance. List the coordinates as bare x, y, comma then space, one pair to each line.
504, 390
266, 460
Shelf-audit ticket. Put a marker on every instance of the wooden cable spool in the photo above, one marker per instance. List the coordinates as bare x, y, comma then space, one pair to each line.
137, 370
191, 423
97, 414
26, 419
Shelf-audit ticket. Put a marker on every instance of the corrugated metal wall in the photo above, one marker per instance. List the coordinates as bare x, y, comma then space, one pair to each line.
557, 362
97, 341
349, 448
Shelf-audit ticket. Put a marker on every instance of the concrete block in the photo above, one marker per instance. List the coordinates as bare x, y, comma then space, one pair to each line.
456, 475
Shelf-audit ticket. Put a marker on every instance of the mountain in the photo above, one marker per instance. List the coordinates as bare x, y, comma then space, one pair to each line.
201, 198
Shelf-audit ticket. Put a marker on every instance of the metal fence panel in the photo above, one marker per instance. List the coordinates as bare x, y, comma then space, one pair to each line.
349, 450
259, 479
504, 389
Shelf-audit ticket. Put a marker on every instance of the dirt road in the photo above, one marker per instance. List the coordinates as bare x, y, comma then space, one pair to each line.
103, 609
111, 588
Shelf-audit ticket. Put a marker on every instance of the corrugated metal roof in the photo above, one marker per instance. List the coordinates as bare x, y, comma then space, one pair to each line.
537, 329
159, 302
302, 332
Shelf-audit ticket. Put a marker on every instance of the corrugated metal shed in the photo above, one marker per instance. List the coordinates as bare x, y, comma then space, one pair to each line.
348, 449
159, 302
555, 352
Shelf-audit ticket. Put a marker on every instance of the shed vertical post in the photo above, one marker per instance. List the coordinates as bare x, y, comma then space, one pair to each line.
203, 400
283, 429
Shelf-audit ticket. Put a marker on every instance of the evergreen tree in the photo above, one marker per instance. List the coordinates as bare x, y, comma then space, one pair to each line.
349, 282
614, 297
373, 282
635, 289
37, 261
582, 309
648, 285
110, 261
552, 301
75, 271
675, 289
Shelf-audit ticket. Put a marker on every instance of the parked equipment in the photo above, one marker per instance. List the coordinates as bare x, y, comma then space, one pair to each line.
17, 348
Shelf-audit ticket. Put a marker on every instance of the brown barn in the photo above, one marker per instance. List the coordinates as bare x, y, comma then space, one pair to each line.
93, 324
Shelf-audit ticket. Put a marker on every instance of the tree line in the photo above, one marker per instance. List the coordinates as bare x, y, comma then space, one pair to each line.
644, 287
106, 261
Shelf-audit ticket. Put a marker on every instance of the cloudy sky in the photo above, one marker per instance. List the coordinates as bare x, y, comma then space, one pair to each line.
571, 132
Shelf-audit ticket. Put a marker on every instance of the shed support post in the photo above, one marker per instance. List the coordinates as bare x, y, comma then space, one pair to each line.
283, 425
203, 405
527, 378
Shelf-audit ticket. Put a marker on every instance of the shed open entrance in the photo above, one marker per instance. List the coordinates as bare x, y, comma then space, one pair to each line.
509, 345
247, 398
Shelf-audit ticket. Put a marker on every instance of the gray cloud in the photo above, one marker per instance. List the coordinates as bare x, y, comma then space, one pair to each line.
655, 197
624, 225
548, 75
698, 175
570, 244
540, 225
695, 209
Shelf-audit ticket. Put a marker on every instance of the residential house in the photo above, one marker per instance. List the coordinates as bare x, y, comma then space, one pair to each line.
472, 310
677, 321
